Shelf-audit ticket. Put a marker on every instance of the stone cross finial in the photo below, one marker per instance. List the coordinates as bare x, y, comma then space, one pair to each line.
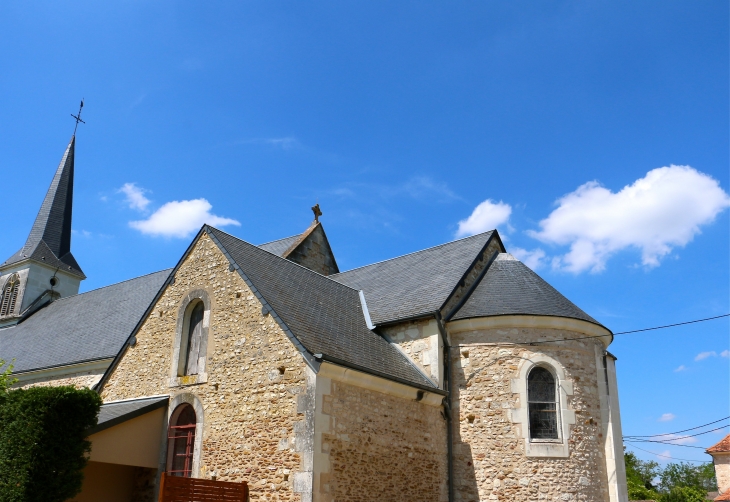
317, 212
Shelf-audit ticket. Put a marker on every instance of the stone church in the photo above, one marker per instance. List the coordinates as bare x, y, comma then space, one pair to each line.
454, 373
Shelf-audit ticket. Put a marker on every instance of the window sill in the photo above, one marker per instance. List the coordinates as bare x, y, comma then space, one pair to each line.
187, 380
546, 448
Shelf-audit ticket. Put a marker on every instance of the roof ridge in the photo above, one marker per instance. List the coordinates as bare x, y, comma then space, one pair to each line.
282, 258
413, 252
300, 239
270, 242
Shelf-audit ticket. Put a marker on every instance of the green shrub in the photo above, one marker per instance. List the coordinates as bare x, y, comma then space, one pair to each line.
684, 494
43, 449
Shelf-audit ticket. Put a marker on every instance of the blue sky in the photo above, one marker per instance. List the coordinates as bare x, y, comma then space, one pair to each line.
593, 135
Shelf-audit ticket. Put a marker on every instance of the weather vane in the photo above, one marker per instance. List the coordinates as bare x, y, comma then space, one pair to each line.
78, 117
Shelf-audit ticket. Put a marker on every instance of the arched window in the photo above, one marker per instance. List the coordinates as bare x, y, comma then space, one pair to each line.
181, 441
542, 404
194, 338
10, 295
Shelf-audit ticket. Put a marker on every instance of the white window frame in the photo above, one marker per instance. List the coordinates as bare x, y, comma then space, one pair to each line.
557, 448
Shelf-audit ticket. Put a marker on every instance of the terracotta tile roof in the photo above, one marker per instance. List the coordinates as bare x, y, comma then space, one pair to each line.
721, 447
723, 496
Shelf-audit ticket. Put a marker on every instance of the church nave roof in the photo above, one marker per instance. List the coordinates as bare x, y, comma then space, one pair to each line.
86, 327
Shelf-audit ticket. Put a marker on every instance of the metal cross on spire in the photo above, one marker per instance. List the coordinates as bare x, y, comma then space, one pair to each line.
78, 117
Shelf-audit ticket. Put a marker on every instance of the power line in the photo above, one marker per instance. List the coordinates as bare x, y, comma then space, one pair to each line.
672, 325
685, 436
665, 456
685, 430
633, 331
670, 444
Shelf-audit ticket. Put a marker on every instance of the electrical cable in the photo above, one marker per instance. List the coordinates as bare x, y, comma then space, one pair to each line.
678, 432
681, 437
672, 325
664, 456
634, 331
670, 444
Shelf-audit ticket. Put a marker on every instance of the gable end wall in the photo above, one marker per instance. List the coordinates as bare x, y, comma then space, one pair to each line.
252, 428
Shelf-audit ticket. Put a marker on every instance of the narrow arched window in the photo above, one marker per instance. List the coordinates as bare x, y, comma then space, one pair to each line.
194, 338
542, 403
181, 441
10, 296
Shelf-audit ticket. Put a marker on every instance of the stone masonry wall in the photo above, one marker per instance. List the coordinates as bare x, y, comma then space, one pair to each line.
489, 458
421, 342
254, 377
381, 447
314, 252
79, 379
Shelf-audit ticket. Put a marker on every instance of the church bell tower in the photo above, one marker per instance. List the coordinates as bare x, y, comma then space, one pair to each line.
44, 268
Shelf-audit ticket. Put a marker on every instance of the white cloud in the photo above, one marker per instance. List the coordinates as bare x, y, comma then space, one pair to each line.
180, 219
656, 213
533, 258
666, 454
725, 353
666, 417
486, 216
705, 355
134, 196
681, 368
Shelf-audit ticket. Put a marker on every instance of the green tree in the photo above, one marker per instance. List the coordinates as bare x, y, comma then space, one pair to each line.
640, 476
5, 379
684, 474
677, 482
43, 449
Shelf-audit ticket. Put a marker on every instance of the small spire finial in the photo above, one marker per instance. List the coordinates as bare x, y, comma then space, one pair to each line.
78, 117
317, 212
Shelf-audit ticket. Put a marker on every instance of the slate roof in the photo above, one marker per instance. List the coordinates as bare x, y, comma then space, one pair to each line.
85, 327
510, 288
49, 240
414, 284
722, 447
324, 315
280, 246
114, 413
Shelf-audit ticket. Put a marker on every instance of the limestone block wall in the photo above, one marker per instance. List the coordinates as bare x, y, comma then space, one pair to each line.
422, 343
255, 376
373, 446
490, 461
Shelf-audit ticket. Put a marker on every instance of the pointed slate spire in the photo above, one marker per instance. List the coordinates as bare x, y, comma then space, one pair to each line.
51, 231
53, 223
